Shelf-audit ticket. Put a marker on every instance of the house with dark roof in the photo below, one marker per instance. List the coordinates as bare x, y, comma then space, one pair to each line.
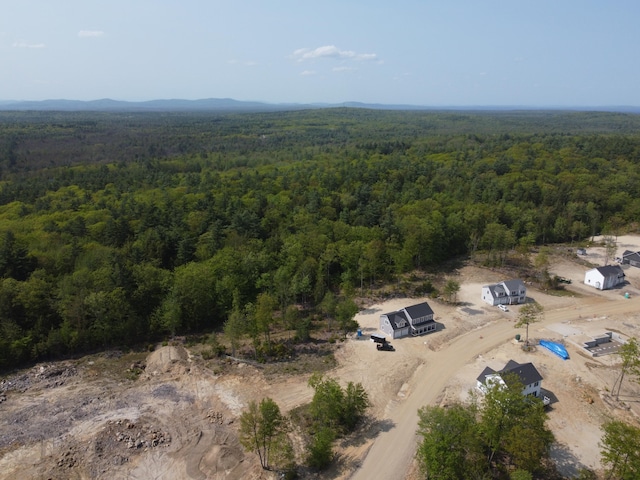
631, 258
509, 292
413, 320
526, 373
605, 277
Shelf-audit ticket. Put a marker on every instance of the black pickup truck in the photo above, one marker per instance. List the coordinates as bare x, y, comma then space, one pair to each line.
381, 343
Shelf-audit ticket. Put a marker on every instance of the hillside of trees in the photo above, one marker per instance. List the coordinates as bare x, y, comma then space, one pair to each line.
120, 229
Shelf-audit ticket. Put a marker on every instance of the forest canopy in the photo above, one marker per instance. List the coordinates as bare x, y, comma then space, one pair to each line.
121, 228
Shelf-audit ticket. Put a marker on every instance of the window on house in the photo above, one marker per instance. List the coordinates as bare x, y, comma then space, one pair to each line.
536, 384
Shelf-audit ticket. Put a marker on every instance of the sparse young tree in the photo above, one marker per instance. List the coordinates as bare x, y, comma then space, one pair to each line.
263, 429
630, 356
328, 306
529, 313
451, 290
335, 407
328, 401
610, 248
621, 450
541, 263
345, 311
234, 329
265, 306
320, 449
356, 402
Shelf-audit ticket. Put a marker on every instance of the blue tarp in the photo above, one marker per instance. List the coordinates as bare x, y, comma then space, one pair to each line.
556, 348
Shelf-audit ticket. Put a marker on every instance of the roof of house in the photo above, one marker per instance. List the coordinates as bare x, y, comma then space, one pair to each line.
629, 255
397, 320
526, 372
513, 285
497, 289
486, 372
419, 310
610, 270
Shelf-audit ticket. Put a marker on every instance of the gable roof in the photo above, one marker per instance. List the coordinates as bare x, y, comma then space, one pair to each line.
513, 285
486, 372
610, 271
497, 289
629, 255
419, 310
526, 372
396, 320
505, 287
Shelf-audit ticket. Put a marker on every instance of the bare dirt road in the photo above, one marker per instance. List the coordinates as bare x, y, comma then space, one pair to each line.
171, 415
392, 451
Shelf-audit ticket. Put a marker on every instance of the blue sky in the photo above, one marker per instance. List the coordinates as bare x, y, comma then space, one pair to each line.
434, 53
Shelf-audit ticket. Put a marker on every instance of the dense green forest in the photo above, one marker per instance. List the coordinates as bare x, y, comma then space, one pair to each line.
121, 228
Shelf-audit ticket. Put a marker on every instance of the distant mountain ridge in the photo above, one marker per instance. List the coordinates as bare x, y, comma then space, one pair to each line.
231, 105
107, 104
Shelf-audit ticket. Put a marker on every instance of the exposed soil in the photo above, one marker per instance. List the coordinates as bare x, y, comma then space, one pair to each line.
170, 415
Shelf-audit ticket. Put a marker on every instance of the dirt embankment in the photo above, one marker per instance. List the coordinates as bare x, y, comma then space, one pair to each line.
166, 416
87, 420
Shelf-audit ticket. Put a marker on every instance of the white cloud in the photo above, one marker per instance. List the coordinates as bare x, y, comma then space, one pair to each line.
308, 73
23, 44
330, 51
90, 33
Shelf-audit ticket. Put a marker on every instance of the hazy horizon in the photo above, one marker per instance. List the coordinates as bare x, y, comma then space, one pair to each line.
436, 54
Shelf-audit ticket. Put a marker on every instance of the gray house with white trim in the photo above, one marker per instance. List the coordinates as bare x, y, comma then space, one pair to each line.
509, 292
413, 320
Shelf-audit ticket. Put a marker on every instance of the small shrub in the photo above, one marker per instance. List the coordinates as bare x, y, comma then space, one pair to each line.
320, 451
426, 288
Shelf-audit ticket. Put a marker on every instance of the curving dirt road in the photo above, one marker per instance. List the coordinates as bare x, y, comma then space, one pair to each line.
393, 450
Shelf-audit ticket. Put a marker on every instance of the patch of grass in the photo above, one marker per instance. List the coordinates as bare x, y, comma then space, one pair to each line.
115, 364
301, 364
562, 293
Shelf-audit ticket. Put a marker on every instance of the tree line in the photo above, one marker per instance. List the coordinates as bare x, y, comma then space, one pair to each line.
106, 241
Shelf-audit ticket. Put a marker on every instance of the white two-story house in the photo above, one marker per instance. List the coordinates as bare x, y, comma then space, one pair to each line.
527, 374
509, 292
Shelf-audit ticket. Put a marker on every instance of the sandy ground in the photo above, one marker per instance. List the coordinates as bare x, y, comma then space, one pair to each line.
178, 419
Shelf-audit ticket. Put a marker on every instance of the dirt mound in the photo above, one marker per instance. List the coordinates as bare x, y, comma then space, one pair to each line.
116, 444
167, 359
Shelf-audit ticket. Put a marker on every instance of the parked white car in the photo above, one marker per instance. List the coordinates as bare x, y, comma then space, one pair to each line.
503, 308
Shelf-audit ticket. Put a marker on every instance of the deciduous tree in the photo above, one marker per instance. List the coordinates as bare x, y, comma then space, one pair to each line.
262, 429
630, 356
529, 313
451, 290
450, 444
621, 450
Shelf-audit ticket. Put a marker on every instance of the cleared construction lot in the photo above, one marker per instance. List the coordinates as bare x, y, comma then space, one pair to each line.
177, 418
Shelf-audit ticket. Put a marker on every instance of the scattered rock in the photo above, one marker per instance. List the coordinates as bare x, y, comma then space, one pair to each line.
215, 417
